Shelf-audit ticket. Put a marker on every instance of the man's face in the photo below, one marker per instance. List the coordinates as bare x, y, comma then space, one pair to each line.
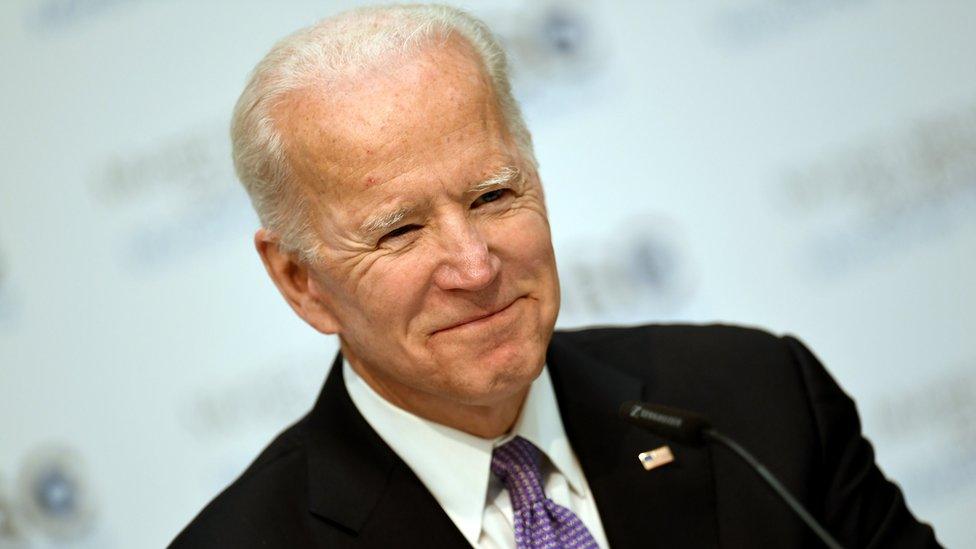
436, 266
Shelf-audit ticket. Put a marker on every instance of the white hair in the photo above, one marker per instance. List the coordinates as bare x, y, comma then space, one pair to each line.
322, 53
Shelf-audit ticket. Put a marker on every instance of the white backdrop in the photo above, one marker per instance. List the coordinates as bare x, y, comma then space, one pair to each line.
808, 167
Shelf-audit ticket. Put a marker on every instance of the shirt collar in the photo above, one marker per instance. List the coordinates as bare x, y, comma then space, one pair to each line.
455, 466
541, 424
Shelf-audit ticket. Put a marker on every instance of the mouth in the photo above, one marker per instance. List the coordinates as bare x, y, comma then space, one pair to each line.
479, 319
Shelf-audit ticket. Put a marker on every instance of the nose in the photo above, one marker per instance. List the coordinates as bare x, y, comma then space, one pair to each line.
467, 262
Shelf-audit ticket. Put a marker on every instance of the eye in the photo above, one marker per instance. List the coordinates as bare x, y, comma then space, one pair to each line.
399, 231
490, 196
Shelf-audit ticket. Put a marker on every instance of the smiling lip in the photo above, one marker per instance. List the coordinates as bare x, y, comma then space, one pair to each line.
475, 319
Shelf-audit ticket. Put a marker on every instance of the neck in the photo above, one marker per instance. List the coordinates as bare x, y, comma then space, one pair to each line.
481, 420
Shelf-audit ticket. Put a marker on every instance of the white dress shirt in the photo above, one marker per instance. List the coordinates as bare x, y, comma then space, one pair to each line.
456, 466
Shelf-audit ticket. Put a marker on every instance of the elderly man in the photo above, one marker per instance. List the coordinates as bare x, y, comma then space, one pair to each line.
402, 210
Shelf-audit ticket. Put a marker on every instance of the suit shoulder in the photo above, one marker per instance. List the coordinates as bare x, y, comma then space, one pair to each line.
265, 498
686, 330
676, 342
699, 366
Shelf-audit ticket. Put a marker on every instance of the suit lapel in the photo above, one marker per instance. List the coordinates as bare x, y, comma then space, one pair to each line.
357, 482
670, 506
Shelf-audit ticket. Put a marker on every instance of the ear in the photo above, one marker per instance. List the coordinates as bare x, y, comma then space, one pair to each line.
294, 280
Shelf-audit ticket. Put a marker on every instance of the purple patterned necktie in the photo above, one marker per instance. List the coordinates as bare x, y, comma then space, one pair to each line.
539, 521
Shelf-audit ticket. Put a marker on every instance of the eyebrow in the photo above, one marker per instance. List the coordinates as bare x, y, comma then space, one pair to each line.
383, 221
505, 175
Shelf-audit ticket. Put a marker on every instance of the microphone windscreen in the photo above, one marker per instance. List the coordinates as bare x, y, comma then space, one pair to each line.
665, 421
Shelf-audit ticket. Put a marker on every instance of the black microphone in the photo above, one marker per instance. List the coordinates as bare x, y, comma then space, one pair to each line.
690, 428
667, 422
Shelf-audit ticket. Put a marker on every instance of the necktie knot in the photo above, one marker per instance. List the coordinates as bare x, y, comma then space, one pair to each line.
539, 522
516, 464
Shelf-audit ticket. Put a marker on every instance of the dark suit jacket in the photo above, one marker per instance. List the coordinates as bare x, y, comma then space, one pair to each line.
330, 481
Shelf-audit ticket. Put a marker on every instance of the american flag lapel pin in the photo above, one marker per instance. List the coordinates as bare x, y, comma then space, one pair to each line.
656, 457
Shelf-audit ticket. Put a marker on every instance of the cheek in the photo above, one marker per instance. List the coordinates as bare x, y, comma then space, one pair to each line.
526, 248
525, 240
394, 290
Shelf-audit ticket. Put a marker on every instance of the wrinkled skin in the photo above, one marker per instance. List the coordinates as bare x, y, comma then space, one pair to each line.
447, 308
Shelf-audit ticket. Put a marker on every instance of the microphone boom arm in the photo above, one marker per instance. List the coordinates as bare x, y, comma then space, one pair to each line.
773, 483
690, 428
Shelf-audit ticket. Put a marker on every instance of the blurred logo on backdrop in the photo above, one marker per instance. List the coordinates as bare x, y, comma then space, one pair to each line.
750, 23
251, 405
6, 295
911, 185
9, 529
172, 198
3, 285
939, 413
642, 271
50, 15
554, 48
270, 395
51, 500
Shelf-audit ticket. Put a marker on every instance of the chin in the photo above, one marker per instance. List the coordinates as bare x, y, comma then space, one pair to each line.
503, 372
